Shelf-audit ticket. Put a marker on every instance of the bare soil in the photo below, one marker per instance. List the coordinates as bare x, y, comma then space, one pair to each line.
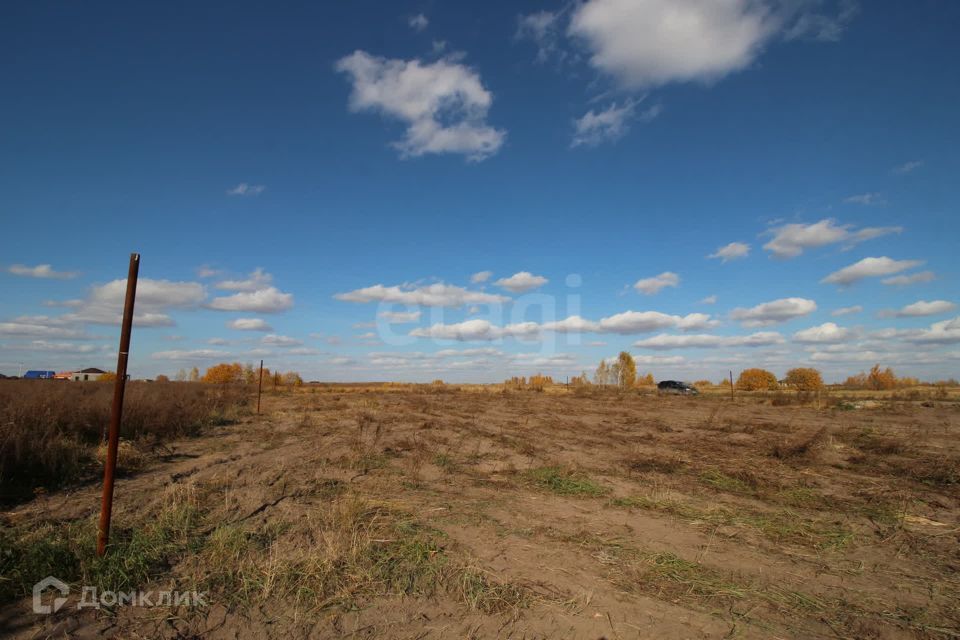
555, 515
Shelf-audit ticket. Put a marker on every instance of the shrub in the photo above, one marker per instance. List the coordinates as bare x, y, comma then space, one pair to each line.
757, 380
224, 373
877, 380
804, 379
535, 383
880, 380
646, 381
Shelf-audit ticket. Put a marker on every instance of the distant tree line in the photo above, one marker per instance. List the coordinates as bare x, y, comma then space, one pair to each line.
236, 373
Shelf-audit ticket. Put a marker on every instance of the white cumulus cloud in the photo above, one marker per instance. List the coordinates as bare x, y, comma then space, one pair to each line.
869, 268
650, 286
791, 240
924, 308
443, 104
774, 312
40, 271
521, 282
269, 300
910, 278
433, 295
666, 341
476, 330
945, 332
845, 311
731, 251
647, 43
826, 333
249, 324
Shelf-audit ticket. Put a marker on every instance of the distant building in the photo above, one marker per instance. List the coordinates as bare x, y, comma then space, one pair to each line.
63, 375
39, 375
87, 375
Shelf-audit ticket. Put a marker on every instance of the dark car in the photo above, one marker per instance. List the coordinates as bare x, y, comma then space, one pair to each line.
675, 386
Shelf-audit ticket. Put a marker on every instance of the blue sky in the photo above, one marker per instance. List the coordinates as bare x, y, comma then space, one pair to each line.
315, 171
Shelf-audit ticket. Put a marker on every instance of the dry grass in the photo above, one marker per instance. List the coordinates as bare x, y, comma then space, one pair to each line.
400, 511
50, 430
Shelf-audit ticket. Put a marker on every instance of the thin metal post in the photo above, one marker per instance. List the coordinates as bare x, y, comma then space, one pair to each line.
116, 411
731, 385
259, 387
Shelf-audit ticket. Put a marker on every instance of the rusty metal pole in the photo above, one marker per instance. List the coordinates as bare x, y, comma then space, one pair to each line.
259, 387
113, 439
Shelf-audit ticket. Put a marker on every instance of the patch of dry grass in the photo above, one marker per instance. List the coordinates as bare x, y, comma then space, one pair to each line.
49, 430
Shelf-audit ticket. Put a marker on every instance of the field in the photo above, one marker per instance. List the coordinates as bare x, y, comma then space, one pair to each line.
441, 512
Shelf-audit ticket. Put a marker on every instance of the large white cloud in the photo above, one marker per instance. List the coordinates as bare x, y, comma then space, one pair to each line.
433, 295
646, 43
444, 104
869, 268
791, 240
774, 312
150, 293
104, 303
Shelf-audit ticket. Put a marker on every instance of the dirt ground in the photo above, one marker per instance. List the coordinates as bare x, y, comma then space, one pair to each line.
437, 513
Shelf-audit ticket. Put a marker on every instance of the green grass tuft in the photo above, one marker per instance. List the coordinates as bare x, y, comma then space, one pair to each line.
564, 482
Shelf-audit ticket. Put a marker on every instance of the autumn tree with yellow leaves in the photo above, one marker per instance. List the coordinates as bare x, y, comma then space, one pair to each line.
804, 379
757, 380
